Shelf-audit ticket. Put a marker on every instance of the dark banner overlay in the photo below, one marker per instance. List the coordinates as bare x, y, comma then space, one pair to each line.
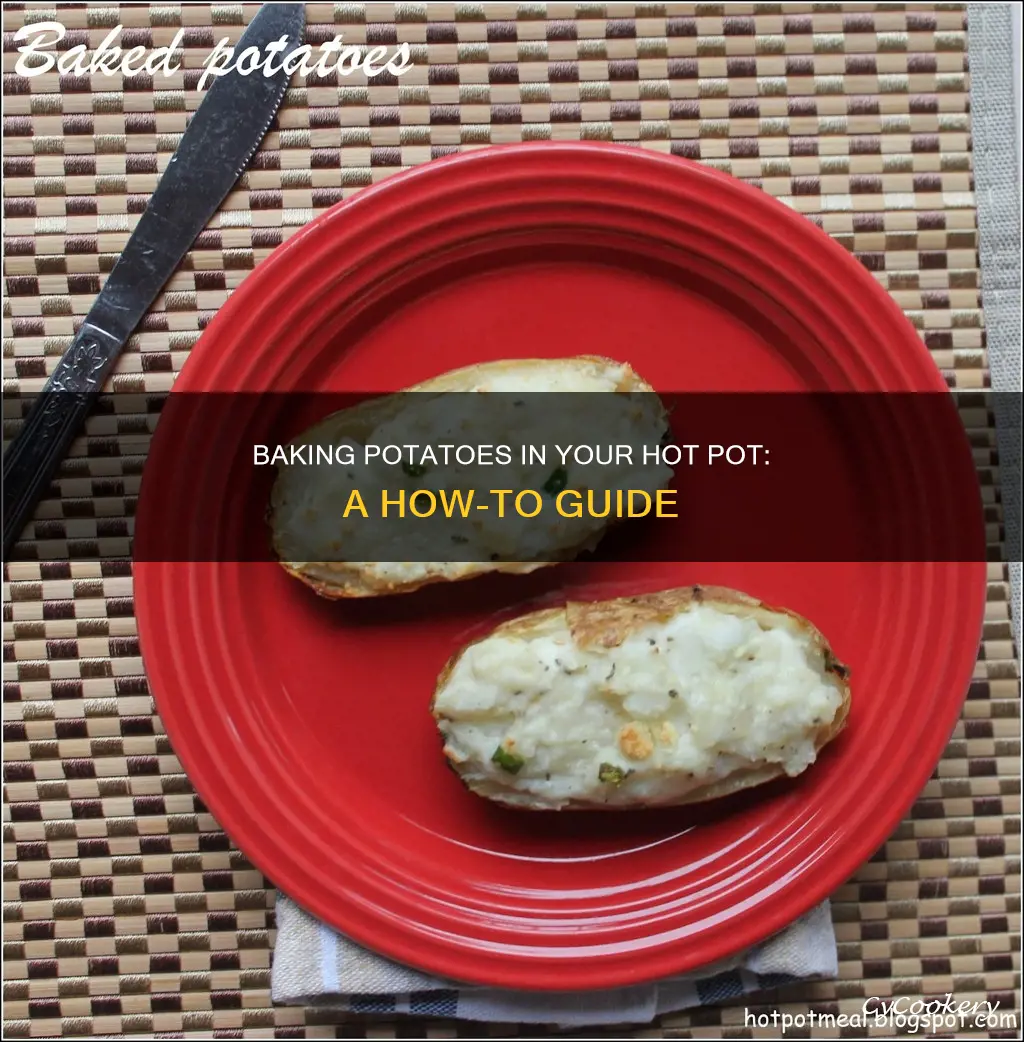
466, 477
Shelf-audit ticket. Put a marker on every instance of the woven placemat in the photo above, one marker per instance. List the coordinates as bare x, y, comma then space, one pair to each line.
127, 910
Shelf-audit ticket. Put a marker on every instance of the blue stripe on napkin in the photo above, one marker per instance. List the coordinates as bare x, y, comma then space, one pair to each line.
774, 980
722, 986
372, 1003
434, 1003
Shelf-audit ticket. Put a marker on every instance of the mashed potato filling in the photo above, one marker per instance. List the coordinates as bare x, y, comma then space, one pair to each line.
677, 706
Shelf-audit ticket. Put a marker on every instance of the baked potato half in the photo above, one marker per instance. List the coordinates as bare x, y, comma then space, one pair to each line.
674, 697
492, 403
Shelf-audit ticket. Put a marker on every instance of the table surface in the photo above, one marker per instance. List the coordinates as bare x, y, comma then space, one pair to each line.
126, 908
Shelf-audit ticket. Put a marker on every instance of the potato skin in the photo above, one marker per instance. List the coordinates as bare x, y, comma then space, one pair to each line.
340, 580
606, 624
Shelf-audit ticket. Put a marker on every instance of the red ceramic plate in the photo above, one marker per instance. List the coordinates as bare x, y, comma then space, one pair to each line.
304, 724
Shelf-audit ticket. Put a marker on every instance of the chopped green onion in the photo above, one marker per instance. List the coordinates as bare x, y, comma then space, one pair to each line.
414, 470
608, 772
558, 480
507, 761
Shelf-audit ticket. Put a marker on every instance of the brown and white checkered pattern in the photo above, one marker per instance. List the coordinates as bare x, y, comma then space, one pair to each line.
126, 908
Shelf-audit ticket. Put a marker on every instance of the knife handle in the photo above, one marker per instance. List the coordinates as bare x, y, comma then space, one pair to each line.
53, 421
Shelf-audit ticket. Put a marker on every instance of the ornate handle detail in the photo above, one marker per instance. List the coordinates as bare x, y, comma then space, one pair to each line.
83, 367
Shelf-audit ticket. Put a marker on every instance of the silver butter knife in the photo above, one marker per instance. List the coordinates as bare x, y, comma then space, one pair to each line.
221, 138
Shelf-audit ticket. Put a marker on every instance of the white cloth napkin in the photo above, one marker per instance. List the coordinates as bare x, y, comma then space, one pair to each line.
316, 966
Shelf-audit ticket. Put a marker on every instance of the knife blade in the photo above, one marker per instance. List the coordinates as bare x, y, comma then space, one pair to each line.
215, 149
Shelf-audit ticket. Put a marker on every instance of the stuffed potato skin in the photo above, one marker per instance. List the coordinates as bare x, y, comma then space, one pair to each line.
597, 742
348, 578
